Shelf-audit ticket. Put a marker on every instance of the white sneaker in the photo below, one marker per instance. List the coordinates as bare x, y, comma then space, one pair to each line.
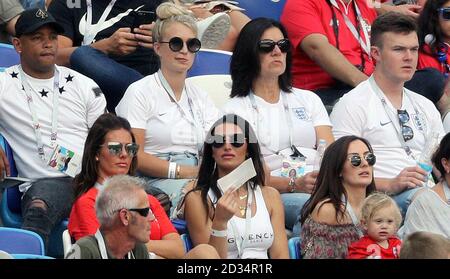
213, 30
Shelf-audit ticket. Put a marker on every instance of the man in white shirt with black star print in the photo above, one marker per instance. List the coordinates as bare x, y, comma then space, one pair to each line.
44, 110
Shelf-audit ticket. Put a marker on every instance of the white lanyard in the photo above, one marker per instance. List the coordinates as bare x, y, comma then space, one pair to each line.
446, 191
102, 246
351, 212
36, 125
365, 46
379, 93
90, 31
248, 221
195, 120
286, 111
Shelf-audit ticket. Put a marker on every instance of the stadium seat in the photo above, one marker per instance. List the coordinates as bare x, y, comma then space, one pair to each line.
263, 8
11, 212
211, 72
210, 62
9, 56
180, 225
18, 241
294, 248
187, 242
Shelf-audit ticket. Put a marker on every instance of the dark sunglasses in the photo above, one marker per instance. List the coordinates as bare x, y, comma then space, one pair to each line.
403, 118
444, 13
356, 159
236, 140
268, 45
115, 148
142, 211
176, 44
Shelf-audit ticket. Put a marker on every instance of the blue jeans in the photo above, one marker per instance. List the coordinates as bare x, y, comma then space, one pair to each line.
293, 204
173, 187
404, 199
112, 77
58, 196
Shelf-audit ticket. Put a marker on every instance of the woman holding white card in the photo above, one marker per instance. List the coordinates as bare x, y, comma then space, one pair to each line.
281, 116
247, 222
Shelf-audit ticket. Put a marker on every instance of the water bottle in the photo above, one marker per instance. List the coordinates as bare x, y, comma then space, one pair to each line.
319, 155
424, 160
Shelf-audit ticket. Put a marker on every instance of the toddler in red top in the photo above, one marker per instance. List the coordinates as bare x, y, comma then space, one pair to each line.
381, 218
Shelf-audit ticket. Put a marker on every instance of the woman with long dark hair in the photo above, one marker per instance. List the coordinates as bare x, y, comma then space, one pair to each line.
247, 222
330, 218
110, 150
284, 118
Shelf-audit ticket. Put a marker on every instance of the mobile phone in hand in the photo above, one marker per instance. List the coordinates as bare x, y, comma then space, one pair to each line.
143, 17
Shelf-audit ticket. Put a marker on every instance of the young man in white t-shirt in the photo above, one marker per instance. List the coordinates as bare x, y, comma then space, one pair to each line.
396, 121
44, 107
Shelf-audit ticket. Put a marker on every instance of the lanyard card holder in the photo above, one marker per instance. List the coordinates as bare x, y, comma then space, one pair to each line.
293, 166
65, 161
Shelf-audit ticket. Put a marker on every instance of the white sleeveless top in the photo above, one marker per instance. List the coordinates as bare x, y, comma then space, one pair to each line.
260, 237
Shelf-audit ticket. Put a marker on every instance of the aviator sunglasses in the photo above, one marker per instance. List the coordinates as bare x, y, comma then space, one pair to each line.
403, 118
176, 44
115, 148
267, 45
356, 160
236, 140
444, 13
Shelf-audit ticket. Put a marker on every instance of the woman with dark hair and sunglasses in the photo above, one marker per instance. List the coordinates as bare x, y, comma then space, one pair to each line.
434, 36
170, 116
331, 217
110, 150
430, 210
247, 222
283, 117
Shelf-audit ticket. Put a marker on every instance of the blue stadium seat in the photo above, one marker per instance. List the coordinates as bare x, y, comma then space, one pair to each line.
11, 212
31, 257
294, 248
18, 241
263, 8
180, 225
187, 242
210, 62
9, 56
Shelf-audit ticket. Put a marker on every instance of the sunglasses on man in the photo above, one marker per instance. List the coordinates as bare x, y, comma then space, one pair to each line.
444, 13
176, 44
236, 140
403, 118
142, 211
115, 148
356, 160
267, 45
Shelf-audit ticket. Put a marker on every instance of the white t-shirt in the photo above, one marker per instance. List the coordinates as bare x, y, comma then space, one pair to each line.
360, 112
148, 106
272, 127
78, 108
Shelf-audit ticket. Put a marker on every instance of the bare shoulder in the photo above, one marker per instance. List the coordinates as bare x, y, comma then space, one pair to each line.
270, 193
325, 213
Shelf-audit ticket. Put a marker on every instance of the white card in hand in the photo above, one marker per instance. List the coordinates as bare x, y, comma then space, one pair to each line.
238, 176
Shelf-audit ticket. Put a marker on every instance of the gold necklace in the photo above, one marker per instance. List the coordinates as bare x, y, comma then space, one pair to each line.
243, 210
243, 197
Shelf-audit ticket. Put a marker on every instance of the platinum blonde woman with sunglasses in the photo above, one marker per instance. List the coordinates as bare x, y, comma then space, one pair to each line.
331, 217
111, 150
282, 117
169, 116
246, 223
